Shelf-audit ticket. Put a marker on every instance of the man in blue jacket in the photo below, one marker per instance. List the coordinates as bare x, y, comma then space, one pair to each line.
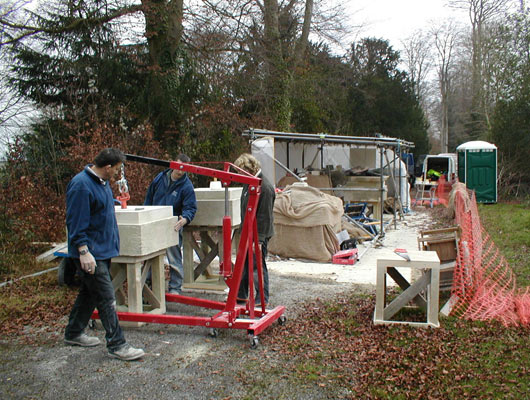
93, 239
172, 187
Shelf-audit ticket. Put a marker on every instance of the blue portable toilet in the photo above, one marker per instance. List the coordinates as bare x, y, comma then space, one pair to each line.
477, 168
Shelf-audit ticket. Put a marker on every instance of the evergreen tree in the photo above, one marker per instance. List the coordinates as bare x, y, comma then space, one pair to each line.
382, 98
319, 97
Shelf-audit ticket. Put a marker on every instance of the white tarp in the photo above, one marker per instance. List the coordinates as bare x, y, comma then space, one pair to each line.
263, 150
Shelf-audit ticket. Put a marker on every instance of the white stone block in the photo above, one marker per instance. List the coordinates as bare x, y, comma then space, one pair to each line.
211, 206
142, 214
218, 194
146, 230
211, 212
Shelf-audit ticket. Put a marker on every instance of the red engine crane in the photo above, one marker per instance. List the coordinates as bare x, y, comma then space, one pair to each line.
230, 314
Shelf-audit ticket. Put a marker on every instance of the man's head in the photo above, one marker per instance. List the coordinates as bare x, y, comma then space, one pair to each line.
248, 163
177, 173
109, 162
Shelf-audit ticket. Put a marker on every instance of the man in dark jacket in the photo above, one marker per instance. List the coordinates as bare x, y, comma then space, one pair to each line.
264, 221
93, 239
172, 187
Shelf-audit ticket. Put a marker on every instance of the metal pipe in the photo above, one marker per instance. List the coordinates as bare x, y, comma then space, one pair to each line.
28, 276
322, 155
358, 225
382, 189
227, 208
375, 239
287, 155
339, 188
392, 175
328, 138
286, 169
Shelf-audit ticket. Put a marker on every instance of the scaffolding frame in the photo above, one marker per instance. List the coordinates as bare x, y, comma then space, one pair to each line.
382, 144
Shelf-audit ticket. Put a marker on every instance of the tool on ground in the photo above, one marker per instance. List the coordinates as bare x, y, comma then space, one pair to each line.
230, 315
346, 257
402, 253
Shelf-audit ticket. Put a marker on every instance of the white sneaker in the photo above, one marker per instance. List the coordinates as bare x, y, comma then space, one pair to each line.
127, 353
83, 340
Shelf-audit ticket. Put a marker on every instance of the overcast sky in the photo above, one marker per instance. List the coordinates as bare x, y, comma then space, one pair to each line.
397, 20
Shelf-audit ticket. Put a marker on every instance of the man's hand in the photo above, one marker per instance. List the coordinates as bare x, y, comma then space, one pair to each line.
88, 263
180, 223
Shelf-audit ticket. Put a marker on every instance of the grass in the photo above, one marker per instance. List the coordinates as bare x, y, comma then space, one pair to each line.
508, 225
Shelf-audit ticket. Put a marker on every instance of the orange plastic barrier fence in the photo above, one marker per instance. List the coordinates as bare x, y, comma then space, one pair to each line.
443, 189
484, 285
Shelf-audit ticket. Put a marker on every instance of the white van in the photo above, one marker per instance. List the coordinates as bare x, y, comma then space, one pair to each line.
441, 164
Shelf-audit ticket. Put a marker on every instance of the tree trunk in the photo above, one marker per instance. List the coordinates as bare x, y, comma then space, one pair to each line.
163, 20
480, 12
163, 30
281, 66
279, 78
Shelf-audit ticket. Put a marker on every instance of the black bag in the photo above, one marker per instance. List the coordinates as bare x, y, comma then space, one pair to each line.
349, 244
67, 273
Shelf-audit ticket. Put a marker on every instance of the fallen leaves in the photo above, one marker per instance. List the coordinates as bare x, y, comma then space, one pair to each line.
38, 314
371, 360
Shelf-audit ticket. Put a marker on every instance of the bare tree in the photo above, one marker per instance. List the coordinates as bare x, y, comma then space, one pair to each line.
480, 12
20, 19
14, 110
445, 39
273, 33
418, 60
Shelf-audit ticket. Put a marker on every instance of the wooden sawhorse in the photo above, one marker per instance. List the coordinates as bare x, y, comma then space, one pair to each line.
134, 270
426, 261
211, 246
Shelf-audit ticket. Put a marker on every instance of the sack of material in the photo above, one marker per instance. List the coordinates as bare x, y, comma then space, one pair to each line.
305, 224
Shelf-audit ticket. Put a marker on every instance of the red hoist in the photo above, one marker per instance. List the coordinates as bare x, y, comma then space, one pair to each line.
230, 315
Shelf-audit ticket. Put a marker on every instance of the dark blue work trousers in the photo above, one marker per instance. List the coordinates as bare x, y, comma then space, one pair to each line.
243, 286
96, 292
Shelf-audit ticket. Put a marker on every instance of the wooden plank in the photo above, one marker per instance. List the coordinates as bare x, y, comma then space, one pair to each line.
404, 284
158, 281
119, 276
446, 309
134, 290
149, 296
205, 262
205, 237
409, 294
433, 296
48, 256
187, 256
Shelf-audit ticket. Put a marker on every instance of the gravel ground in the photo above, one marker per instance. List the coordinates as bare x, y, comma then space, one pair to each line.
180, 363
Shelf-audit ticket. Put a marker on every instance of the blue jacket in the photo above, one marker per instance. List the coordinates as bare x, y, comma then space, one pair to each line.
179, 194
90, 216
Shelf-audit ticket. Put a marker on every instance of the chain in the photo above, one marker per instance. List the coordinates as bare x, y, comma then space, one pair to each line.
122, 183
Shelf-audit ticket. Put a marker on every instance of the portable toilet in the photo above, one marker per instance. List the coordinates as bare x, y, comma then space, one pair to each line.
477, 168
